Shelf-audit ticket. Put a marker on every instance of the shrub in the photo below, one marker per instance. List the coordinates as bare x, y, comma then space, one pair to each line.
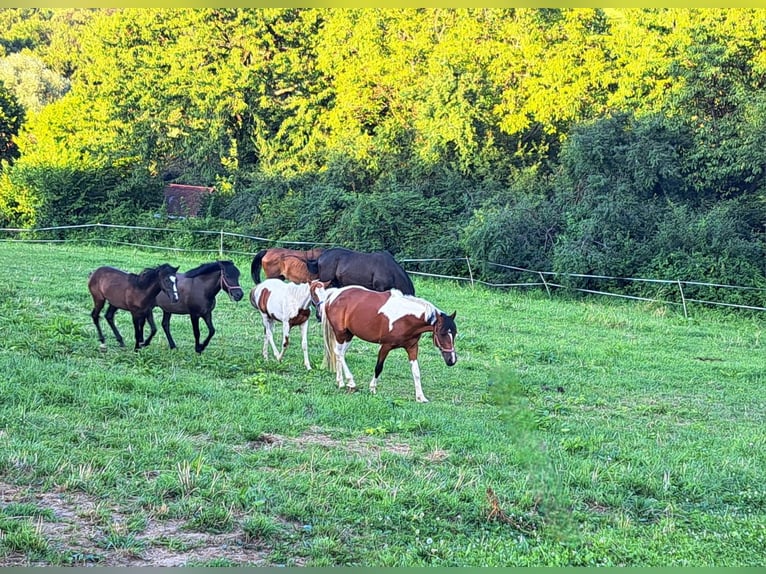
710, 246
521, 234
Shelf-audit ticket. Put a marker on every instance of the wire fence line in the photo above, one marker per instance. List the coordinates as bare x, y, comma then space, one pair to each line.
546, 279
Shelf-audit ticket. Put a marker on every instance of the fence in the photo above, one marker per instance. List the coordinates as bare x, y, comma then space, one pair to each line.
544, 279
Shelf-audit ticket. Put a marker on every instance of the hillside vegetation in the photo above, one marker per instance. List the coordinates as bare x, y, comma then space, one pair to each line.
568, 433
617, 142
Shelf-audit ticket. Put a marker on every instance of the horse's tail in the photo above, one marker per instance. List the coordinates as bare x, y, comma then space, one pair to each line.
408, 288
328, 336
255, 266
403, 281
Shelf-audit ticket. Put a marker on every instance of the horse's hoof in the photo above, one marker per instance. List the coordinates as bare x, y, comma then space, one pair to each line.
102, 347
421, 399
350, 390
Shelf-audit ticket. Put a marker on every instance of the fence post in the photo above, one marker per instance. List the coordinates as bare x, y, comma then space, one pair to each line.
470, 273
683, 298
220, 246
542, 278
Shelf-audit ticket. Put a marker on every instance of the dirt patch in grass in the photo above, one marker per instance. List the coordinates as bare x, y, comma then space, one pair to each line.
82, 526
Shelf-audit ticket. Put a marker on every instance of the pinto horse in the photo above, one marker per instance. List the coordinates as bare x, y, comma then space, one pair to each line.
131, 292
287, 303
378, 271
197, 290
389, 318
281, 263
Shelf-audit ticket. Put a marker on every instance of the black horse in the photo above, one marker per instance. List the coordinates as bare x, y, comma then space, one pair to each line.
378, 271
197, 289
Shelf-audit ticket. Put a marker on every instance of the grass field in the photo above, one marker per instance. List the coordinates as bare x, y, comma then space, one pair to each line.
568, 433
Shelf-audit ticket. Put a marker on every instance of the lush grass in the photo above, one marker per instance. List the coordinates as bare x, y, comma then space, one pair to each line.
568, 433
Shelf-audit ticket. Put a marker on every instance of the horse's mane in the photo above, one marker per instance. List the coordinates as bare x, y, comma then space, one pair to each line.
205, 268
146, 277
431, 310
298, 291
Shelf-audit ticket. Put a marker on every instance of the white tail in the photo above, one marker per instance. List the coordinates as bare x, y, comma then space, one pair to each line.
328, 335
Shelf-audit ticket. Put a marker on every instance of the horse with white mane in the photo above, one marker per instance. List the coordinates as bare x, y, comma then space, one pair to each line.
287, 303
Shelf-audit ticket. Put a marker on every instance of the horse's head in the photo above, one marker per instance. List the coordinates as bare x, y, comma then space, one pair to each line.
445, 332
168, 281
230, 280
317, 289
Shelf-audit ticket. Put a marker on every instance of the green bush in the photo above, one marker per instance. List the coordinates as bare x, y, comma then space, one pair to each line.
521, 234
710, 246
65, 195
605, 236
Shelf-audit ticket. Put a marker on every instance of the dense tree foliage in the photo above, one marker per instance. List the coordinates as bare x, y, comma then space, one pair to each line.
614, 142
11, 120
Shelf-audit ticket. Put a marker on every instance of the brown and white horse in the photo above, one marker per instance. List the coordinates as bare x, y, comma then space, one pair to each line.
287, 303
390, 318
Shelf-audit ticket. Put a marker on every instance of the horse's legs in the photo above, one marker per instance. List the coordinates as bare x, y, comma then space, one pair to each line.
208, 318
96, 316
412, 353
138, 328
195, 329
266, 331
382, 354
149, 318
109, 316
268, 337
166, 327
285, 338
305, 343
340, 353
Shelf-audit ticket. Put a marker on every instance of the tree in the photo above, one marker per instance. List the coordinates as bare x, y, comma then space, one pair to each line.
11, 120
205, 95
33, 84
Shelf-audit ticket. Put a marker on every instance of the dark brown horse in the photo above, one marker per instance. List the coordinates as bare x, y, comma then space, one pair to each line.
131, 292
388, 318
197, 290
281, 263
378, 271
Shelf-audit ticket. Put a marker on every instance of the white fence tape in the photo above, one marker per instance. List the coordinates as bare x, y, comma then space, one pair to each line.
541, 275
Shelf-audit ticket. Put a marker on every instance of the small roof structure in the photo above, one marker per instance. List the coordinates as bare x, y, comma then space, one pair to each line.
184, 200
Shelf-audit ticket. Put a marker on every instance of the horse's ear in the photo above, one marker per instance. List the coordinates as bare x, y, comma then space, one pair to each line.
453, 315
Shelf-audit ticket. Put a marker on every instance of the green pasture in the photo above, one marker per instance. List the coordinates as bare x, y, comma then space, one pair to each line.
569, 433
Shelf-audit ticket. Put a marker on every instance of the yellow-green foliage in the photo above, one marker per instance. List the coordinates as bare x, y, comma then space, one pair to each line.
18, 204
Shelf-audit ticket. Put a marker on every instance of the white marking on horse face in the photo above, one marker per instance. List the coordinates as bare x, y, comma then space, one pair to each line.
399, 306
174, 283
